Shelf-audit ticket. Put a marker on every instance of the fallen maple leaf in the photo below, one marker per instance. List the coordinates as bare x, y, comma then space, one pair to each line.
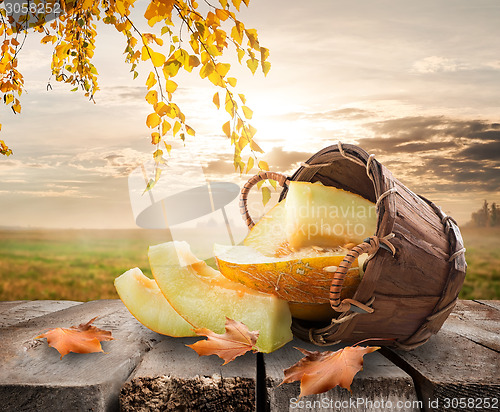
83, 338
235, 342
319, 372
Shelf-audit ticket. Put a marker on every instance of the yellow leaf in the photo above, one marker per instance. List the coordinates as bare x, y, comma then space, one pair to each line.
252, 39
162, 109
158, 59
242, 98
168, 147
249, 164
266, 66
221, 14
255, 147
252, 65
16, 107
153, 120
236, 3
222, 68
266, 195
216, 100
247, 112
170, 86
236, 34
155, 138
177, 127
120, 7
264, 53
206, 70
194, 61
152, 97
223, 3
165, 127
226, 128
263, 165
241, 54
232, 81
151, 81
190, 131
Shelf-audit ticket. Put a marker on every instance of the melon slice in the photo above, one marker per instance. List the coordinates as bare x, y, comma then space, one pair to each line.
268, 236
146, 303
303, 276
326, 216
204, 297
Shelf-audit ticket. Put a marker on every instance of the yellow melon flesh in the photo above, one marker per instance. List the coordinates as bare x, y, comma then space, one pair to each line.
326, 216
146, 303
268, 236
304, 276
205, 298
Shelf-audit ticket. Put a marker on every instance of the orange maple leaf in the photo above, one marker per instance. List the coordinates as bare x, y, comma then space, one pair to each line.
235, 342
83, 338
319, 372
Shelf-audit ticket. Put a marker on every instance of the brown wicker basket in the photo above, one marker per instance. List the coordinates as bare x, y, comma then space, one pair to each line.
404, 298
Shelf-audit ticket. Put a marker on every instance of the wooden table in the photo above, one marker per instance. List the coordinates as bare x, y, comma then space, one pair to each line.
457, 370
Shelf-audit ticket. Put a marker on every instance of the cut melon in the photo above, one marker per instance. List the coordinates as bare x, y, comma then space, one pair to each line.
326, 216
204, 297
268, 236
303, 276
146, 303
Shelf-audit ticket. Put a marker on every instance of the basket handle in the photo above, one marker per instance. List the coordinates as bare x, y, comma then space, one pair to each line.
370, 245
262, 175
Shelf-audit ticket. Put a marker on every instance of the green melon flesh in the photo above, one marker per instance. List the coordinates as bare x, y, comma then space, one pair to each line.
146, 303
205, 301
326, 216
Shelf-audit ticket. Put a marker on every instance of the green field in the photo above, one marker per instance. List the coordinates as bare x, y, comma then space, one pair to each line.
81, 264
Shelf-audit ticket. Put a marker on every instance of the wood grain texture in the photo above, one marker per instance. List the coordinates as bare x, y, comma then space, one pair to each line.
33, 377
172, 377
380, 382
461, 361
19, 311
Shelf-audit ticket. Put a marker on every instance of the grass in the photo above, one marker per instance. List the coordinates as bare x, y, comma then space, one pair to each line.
82, 264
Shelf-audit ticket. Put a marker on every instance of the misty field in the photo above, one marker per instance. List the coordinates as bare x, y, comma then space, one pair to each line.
82, 264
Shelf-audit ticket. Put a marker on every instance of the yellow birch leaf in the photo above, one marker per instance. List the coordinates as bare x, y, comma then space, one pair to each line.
226, 128
247, 112
232, 81
236, 34
168, 147
153, 120
206, 70
151, 81
165, 127
242, 98
155, 138
241, 54
222, 68
190, 131
170, 86
236, 3
223, 3
264, 53
266, 195
16, 108
266, 66
152, 97
250, 164
216, 100
162, 109
158, 59
177, 127
221, 14
252, 65
263, 165
255, 147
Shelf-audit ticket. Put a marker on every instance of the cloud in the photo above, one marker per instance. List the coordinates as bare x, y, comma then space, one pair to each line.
283, 161
437, 64
438, 153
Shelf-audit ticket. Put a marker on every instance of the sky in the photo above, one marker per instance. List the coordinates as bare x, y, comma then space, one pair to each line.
415, 83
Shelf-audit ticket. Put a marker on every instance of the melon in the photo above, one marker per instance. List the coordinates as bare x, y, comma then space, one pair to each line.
318, 215
143, 298
303, 276
205, 298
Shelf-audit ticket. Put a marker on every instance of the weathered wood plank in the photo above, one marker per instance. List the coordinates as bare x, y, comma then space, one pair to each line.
26, 310
381, 386
477, 322
172, 377
33, 377
459, 364
493, 303
6, 305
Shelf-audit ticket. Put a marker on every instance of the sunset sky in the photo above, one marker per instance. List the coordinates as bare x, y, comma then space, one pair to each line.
415, 83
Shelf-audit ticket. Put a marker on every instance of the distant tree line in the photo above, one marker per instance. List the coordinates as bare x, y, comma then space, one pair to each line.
486, 216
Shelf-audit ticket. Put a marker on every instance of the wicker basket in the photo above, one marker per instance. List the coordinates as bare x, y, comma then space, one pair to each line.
403, 298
